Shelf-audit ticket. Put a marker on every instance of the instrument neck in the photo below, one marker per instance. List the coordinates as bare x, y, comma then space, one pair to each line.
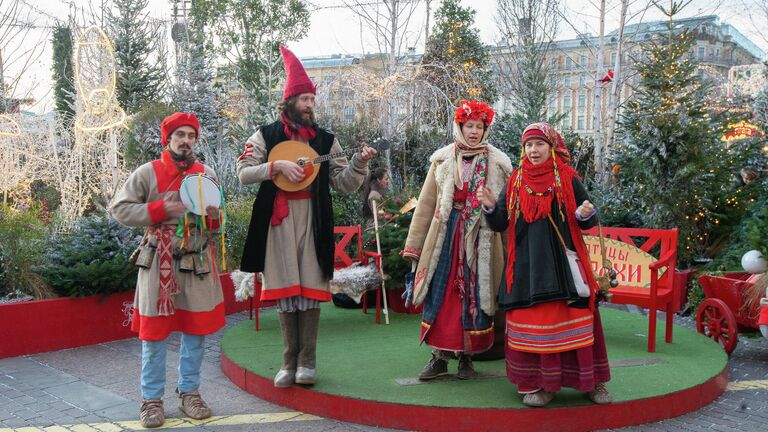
327, 157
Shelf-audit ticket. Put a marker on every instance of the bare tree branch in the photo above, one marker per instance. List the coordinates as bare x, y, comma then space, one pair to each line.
18, 50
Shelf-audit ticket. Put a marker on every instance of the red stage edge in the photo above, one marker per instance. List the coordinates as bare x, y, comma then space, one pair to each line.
426, 418
38, 326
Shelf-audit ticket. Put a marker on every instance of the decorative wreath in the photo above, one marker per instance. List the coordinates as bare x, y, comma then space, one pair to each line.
474, 110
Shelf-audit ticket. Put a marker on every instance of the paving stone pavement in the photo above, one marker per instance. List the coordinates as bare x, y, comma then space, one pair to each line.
98, 386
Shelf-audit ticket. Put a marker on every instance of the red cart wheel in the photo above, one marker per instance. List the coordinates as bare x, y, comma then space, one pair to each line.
716, 321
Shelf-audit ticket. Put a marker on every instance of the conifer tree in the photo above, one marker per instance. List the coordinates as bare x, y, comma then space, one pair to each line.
139, 75
670, 154
63, 77
248, 34
455, 57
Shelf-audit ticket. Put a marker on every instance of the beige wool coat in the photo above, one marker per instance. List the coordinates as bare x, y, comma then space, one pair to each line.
428, 226
200, 304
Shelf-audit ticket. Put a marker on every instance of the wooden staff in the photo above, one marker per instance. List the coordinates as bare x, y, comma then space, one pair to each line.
381, 267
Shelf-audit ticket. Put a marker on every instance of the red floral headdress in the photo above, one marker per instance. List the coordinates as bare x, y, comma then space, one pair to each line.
474, 110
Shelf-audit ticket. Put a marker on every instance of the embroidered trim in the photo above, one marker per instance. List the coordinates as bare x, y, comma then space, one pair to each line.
560, 324
412, 251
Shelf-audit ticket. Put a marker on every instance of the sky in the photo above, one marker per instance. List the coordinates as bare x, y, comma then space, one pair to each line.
335, 29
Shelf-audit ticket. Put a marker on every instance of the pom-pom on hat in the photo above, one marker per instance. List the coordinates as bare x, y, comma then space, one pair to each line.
474, 110
175, 121
296, 79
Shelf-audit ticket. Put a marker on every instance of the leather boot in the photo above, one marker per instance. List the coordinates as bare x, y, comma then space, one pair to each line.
466, 370
309, 321
289, 327
435, 367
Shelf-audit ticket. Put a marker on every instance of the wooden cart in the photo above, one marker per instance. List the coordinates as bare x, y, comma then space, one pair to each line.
721, 316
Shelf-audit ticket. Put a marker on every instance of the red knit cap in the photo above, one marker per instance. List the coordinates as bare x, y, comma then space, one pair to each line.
175, 121
296, 79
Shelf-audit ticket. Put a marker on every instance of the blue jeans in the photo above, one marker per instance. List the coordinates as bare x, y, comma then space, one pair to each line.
153, 366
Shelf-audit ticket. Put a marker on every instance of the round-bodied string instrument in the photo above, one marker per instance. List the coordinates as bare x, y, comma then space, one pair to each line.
199, 191
307, 158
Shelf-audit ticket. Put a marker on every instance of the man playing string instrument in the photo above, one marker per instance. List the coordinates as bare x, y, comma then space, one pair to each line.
290, 237
188, 298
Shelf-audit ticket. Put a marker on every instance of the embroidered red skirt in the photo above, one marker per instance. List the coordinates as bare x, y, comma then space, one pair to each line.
581, 367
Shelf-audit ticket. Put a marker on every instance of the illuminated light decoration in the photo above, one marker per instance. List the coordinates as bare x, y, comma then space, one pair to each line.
93, 166
26, 143
741, 130
96, 80
13, 165
9, 126
85, 166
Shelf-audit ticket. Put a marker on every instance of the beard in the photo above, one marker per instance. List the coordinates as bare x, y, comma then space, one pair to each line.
183, 161
298, 118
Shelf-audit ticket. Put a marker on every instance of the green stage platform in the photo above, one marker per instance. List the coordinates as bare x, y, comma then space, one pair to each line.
358, 360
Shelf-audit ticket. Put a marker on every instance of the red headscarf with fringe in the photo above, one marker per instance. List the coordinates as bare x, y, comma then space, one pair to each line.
531, 189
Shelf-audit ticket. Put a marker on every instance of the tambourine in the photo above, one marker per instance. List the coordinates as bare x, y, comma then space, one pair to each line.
199, 191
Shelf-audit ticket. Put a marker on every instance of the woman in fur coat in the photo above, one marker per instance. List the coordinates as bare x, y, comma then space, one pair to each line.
460, 259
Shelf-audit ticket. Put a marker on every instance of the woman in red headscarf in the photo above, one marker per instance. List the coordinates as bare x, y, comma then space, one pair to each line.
553, 330
460, 259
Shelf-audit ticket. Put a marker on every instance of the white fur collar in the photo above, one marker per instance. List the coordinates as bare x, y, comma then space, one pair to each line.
499, 170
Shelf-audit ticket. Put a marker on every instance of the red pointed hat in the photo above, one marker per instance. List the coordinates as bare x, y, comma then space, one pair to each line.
296, 79
175, 121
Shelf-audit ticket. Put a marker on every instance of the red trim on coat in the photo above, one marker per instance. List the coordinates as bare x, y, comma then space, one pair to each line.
168, 175
196, 323
156, 211
295, 290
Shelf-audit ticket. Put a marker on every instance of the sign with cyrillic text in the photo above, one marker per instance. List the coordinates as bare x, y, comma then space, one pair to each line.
631, 263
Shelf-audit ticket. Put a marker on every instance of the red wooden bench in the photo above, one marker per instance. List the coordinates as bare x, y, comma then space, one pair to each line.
641, 284
341, 258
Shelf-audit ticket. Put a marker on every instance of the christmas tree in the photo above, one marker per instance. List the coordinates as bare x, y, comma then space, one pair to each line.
393, 231
752, 234
669, 151
455, 57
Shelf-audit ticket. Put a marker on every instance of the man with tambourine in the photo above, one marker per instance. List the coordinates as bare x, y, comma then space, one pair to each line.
178, 287
290, 237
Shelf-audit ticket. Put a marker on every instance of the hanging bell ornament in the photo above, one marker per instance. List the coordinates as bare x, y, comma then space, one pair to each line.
614, 283
613, 273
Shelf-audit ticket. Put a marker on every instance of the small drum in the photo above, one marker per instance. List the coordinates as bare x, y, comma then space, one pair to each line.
197, 187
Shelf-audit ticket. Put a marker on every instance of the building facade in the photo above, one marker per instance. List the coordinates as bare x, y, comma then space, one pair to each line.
573, 65
721, 50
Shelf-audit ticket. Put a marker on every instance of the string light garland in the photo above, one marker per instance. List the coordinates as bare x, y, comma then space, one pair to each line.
94, 165
96, 80
26, 143
8, 126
